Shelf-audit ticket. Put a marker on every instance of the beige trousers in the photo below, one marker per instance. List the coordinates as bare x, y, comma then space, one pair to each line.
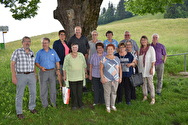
148, 84
110, 89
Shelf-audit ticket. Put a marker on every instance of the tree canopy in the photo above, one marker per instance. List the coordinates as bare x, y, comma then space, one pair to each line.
22, 9
142, 7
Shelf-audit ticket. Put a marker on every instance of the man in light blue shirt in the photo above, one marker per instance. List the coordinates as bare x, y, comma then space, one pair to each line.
47, 61
109, 35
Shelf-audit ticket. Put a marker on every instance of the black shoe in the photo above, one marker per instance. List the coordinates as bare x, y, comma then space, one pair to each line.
159, 94
128, 103
82, 107
74, 108
34, 111
119, 102
85, 89
20, 116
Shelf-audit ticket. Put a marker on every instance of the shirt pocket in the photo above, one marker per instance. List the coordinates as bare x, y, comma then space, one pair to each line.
52, 58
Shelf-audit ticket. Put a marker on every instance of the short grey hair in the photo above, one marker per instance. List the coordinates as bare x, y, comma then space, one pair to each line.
155, 34
94, 31
127, 32
45, 38
129, 42
25, 37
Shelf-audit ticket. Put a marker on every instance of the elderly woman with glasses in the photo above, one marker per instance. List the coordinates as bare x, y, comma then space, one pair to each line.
127, 64
92, 43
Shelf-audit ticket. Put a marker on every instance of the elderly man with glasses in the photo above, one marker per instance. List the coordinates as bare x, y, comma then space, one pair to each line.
23, 73
127, 37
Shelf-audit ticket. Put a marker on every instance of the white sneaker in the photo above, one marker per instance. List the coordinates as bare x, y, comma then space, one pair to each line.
108, 109
145, 98
152, 101
114, 108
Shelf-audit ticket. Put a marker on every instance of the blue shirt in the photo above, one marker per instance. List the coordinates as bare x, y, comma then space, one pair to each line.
114, 42
124, 60
47, 59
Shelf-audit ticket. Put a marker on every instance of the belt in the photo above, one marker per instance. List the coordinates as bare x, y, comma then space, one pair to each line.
25, 72
49, 69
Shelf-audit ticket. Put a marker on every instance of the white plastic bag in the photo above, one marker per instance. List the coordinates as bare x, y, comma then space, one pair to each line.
66, 95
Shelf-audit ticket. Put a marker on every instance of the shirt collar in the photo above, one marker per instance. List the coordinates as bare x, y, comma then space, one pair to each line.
153, 44
44, 50
24, 49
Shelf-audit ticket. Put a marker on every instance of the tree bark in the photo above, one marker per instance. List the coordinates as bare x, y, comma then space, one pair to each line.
84, 13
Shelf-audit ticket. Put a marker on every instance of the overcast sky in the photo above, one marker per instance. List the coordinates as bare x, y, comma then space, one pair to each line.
40, 24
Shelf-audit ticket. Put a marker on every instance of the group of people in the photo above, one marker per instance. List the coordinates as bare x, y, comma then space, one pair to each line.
107, 64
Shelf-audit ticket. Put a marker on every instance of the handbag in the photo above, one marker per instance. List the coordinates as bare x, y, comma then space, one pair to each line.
136, 79
65, 95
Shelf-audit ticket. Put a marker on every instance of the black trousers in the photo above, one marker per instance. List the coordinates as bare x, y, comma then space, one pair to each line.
129, 90
98, 91
76, 93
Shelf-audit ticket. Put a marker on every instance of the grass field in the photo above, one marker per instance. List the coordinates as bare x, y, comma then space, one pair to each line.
170, 108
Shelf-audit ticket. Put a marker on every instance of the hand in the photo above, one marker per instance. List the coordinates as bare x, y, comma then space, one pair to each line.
43, 69
129, 65
90, 77
151, 71
64, 78
103, 80
120, 80
14, 80
86, 75
58, 73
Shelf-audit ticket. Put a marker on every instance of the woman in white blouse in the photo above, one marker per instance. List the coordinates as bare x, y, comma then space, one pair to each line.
146, 65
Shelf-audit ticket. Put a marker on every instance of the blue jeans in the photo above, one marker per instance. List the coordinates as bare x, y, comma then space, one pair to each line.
23, 80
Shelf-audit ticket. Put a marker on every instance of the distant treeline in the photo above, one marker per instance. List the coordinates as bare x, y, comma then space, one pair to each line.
111, 13
177, 10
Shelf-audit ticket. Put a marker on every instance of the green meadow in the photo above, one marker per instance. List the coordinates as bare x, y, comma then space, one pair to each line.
170, 109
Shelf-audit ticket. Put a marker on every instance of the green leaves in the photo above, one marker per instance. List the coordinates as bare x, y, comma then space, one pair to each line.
142, 7
22, 9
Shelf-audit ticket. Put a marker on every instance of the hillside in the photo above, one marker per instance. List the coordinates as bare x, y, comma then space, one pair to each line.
171, 31
173, 34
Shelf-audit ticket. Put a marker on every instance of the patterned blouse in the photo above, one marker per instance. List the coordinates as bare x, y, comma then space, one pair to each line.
111, 68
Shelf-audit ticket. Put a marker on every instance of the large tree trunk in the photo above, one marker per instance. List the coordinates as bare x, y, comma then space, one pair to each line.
84, 13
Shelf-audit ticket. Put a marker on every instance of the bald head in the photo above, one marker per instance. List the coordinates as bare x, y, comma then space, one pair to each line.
78, 30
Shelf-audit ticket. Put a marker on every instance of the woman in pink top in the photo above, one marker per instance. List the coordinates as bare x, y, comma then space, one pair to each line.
61, 48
